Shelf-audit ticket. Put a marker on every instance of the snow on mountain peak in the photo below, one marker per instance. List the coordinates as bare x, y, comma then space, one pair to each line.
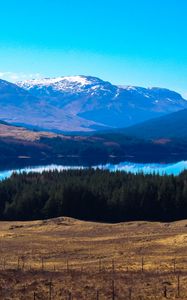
67, 84
58, 82
128, 87
83, 80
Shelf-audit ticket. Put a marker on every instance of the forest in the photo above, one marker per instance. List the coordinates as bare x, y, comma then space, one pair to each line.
95, 195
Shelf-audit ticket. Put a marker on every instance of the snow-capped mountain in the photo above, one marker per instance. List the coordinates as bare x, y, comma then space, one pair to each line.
19, 106
60, 83
103, 103
83, 103
63, 90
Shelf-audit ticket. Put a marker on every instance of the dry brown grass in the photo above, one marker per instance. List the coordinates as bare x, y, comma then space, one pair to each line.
21, 133
83, 260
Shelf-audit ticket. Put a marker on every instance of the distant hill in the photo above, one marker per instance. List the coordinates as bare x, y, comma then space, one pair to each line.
170, 126
82, 104
19, 145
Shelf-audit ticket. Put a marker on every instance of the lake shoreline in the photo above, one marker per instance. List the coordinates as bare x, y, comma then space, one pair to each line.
125, 166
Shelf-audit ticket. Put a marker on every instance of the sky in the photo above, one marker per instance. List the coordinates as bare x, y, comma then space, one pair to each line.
126, 42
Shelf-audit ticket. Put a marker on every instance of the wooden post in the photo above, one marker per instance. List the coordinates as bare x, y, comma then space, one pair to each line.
99, 265
69, 296
178, 286
130, 293
24, 289
18, 263
42, 262
113, 290
34, 298
23, 264
165, 292
50, 290
113, 266
97, 295
142, 264
174, 265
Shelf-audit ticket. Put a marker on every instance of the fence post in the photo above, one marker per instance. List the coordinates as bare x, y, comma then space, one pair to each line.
174, 265
113, 290
23, 263
67, 266
113, 266
165, 292
99, 265
142, 264
69, 296
18, 263
178, 286
42, 262
50, 290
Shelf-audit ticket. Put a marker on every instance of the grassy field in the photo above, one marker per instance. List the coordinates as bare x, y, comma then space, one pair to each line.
68, 259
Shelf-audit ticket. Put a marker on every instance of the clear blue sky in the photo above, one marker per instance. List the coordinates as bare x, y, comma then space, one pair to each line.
138, 42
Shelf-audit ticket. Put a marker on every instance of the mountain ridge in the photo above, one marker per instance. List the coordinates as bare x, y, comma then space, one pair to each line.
83, 103
173, 125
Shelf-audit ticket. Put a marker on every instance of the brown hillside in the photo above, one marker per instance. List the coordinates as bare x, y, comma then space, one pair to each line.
70, 259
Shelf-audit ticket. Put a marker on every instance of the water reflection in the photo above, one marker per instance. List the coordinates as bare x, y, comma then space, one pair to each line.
146, 168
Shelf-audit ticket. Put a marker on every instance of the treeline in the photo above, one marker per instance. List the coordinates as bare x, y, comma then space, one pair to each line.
96, 148
96, 195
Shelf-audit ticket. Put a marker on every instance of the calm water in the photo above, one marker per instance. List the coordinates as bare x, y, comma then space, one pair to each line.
146, 168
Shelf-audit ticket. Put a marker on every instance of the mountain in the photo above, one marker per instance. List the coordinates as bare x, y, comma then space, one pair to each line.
85, 103
11, 94
20, 107
173, 125
82, 103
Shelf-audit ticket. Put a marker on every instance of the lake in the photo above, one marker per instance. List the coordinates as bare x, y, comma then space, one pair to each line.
133, 167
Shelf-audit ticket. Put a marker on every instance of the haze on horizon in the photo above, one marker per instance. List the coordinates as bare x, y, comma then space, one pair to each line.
127, 43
